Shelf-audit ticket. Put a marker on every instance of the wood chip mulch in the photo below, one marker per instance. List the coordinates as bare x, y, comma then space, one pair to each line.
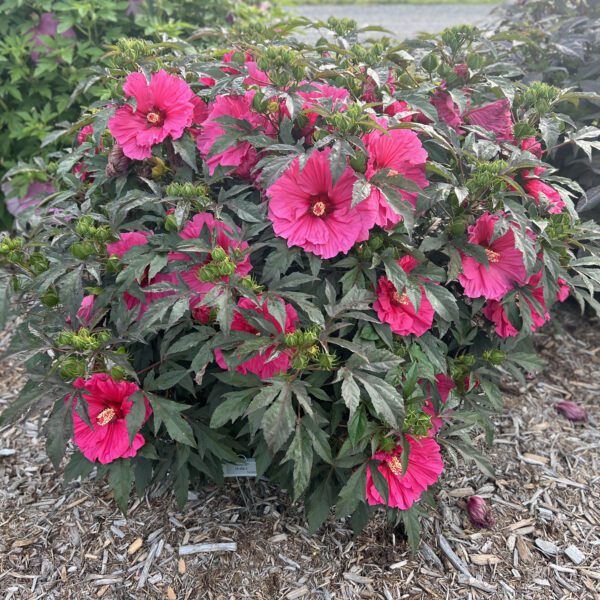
247, 540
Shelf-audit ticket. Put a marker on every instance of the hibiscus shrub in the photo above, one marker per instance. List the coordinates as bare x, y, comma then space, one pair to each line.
323, 258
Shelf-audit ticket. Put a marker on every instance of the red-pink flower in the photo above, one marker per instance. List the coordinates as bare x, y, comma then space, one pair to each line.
163, 108
480, 514
241, 155
444, 385
397, 310
86, 309
267, 363
397, 107
494, 310
563, 290
108, 404
505, 262
541, 192
495, 117
337, 98
424, 468
448, 111
220, 235
126, 242
572, 411
532, 145
309, 210
48, 26
400, 151
83, 133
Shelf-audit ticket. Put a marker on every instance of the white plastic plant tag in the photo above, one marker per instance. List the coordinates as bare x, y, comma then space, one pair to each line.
242, 469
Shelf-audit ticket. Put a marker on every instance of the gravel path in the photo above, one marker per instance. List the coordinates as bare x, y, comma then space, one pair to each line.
404, 20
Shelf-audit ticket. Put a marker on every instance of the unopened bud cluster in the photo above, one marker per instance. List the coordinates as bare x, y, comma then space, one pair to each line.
94, 238
83, 340
220, 266
416, 422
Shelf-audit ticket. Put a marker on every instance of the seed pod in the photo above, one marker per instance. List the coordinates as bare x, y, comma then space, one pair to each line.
480, 514
118, 163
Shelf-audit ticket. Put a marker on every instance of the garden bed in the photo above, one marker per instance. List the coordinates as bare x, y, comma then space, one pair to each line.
70, 541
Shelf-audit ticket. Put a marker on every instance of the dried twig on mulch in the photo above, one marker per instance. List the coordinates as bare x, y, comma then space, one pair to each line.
247, 541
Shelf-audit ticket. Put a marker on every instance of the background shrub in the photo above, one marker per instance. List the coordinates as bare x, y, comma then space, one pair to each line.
47, 49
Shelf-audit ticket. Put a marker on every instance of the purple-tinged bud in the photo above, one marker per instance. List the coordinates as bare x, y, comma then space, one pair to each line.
480, 514
118, 163
572, 411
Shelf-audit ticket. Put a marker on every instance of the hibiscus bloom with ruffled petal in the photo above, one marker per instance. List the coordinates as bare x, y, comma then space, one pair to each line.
495, 311
241, 157
424, 468
164, 108
267, 363
505, 266
397, 310
541, 192
309, 210
444, 385
108, 404
401, 152
495, 117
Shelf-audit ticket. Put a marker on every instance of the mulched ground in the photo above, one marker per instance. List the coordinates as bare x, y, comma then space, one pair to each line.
69, 541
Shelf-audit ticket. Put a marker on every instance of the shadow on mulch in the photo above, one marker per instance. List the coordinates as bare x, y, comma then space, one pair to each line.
69, 541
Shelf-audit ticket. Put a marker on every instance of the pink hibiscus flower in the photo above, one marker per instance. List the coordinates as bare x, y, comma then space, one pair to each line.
563, 290
397, 310
494, 310
424, 468
163, 108
108, 404
241, 155
448, 111
262, 364
48, 26
397, 107
445, 385
400, 151
541, 192
86, 309
338, 98
532, 145
309, 210
505, 262
220, 235
126, 242
495, 117
119, 249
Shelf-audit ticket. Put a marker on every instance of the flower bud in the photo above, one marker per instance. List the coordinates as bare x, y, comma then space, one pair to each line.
72, 367
160, 169
82, 250
64, 338
572, 411
480, 514
494, 357
171, 223
219, 254
118, 373
104, 337
118, 163
430, 62
49, 298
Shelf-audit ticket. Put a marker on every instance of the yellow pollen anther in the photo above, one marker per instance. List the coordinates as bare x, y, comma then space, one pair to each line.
107, 416
318, 209
400, 299
395, 465
492, 255
153, 118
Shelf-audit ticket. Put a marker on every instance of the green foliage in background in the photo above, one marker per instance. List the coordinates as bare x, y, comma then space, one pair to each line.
44, 83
